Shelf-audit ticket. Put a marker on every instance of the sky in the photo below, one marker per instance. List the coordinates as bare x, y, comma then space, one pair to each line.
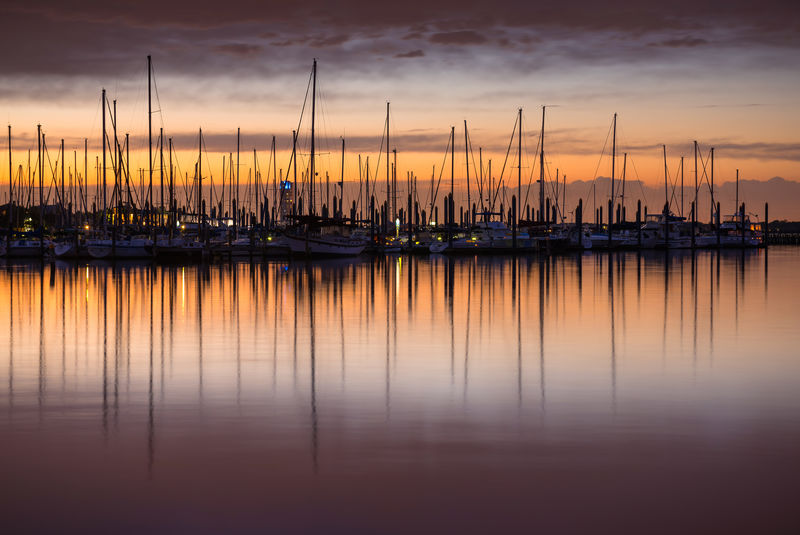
722, 73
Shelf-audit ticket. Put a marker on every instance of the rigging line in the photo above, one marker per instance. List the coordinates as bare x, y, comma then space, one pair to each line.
477, 174
502, 171
592, 184
533, 167
297, 133
158, 98
559, 209
638, 179
378, 164
441, 171
210, 172
674, 184
705, 162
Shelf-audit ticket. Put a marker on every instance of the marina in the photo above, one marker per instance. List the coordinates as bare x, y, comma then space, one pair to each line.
301, 218
365, 268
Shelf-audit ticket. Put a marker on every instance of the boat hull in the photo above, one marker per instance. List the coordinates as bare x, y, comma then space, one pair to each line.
105, 249
315, 246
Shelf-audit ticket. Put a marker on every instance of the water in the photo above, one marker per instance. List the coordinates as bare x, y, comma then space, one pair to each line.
588, 393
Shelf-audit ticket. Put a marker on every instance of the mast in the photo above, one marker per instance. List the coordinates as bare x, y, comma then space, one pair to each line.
360, 198
713, 206
681, 212
666, 193
737, 191
63, 157
394, 185
236, 216
491, 186
519, 154
624, 169
128, 174
613, 170
149, 145
341, 180
85, 192
275, 200
544, 217
116, 195
161, 169
10, 186
199, 178
313, 119
388, 184
294, 164
451, 212
695, 181
171, 187
480, 174
466, 155
104, 155
41, 195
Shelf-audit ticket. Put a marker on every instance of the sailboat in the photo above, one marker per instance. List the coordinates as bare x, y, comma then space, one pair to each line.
125, 247
27, 248
312, 235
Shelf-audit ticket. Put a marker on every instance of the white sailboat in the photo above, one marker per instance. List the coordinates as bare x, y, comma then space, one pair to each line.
127, 247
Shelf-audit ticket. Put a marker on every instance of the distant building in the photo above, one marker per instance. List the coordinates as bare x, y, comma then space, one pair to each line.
287, 199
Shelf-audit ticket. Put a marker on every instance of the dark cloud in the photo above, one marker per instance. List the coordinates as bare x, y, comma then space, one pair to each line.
333, 40
463, 37
758, 150
681, 42
94, 36
410, 54
239, 49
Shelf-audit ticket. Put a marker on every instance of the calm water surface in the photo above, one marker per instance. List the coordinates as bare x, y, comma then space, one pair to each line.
594, 393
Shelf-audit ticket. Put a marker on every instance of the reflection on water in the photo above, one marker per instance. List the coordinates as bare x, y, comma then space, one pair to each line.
651, 391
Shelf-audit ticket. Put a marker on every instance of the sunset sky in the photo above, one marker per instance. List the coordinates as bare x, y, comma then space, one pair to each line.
723, 73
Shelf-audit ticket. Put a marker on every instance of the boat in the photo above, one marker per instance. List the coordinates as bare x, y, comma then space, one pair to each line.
27, 248
178, 248
671, 231
126, 247
324, 245
734, 234
600, 240
67, 249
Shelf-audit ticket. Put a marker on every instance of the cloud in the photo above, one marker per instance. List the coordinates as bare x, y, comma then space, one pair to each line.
463, 37
238, 49
411, 54
333, 40
681, 42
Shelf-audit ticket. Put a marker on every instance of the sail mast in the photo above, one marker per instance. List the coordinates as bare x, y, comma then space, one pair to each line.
103, 136
388, 179
313, 118
466, 155
624, 169
451, 207
199, 177
666, 192
294, 165
519, 156
341, 180
149, 144
613, 168
10, 185
544, 217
